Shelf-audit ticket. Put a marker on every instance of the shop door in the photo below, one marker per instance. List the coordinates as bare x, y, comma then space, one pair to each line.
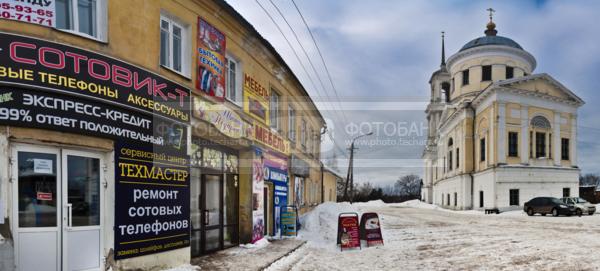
58, 209
211, 212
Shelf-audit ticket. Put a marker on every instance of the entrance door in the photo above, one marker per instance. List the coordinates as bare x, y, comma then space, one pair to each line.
211, 215
58, 209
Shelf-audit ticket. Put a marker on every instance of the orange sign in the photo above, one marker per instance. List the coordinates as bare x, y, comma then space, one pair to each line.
271, 139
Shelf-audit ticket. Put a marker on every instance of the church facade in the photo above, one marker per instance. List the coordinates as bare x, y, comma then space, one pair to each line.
499, 134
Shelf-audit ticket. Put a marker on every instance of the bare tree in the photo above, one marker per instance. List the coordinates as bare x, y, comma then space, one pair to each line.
409, 185
589, 179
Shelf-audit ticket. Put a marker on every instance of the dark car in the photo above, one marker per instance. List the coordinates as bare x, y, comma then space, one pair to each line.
547, 205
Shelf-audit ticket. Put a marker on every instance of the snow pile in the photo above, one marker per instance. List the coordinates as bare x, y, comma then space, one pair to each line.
418, 204
373, 203
258, 244
319, 226
185, 267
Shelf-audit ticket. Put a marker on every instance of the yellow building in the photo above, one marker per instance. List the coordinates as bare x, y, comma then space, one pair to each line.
499, 134
330, 180
138, 134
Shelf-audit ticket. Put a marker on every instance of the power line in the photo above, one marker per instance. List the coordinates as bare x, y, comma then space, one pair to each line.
322, 58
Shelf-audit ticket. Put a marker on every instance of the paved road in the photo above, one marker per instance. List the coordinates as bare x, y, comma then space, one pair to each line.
424, 239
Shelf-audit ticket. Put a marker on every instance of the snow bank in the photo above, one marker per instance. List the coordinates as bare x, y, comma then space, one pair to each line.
319, 226
185, 267
373, 203
258, 244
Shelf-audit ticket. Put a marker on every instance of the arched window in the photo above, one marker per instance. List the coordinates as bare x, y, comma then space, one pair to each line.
446, 90
541, 134
540, 122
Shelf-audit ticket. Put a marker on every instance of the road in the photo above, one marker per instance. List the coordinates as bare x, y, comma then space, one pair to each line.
425, 239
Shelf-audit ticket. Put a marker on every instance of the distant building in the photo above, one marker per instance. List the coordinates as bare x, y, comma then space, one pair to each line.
330, 180
499, 134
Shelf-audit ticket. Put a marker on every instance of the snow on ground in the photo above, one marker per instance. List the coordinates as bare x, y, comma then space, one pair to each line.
263, 242
420, 236
185, 267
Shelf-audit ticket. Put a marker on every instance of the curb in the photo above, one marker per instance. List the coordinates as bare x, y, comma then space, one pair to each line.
283, 256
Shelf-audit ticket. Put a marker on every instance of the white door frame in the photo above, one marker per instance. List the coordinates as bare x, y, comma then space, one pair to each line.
61, 180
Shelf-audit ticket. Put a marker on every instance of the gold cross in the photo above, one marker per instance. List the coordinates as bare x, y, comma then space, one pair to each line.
491, 10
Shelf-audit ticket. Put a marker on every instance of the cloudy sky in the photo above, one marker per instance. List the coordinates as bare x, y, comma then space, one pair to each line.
381, 55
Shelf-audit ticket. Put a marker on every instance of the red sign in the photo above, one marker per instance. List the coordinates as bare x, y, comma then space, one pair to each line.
211, 60
370, 229
44, 196
348, 231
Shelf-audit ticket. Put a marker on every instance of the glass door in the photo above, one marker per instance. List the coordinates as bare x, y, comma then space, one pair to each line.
37, 200
211, 211
82, 232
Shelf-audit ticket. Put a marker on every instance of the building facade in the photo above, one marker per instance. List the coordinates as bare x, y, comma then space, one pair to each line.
139, 134
499, 134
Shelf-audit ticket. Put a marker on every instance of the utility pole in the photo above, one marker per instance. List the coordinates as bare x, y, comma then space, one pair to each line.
350, 174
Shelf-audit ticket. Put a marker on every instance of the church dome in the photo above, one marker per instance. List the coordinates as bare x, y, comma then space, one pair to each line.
491, 40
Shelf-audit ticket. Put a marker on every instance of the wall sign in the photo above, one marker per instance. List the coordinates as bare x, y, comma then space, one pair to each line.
56, 87
224, 119
256, 99
276, 172
269, 138
35, 12
348, 231
38, 63
370, 229
211, 60
258, 184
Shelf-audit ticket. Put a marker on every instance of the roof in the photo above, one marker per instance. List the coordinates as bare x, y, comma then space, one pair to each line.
229, 9
491, 40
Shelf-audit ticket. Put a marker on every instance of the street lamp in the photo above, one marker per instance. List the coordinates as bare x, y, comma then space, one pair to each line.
350, 175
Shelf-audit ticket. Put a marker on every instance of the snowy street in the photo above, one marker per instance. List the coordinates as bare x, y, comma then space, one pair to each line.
423, 237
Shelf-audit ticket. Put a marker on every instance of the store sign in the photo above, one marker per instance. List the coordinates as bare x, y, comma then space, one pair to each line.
211, 60
288, 221
276, 172
370, 229
40, 12
258, 184
269, 138
224, 119
43, 196
61, 68
348, 231
256, 99
60, 88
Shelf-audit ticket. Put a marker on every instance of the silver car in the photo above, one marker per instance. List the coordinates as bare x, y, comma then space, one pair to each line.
581, 206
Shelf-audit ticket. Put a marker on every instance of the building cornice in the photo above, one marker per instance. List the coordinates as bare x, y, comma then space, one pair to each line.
526, 56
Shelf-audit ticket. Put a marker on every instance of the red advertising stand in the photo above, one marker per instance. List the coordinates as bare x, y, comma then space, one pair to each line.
370, 229
348, 231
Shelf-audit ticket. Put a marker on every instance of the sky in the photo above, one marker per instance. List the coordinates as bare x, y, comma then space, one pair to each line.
380, 55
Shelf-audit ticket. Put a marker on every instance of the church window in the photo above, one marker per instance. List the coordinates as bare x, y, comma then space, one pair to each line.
540, 145
457, 158
450, 145
513, 197
540, 122
448, 199
564, 148
455, 199
480, 199
510, 72
486, 73
530, 144
513, 144
465, 77
566, 192
482, 150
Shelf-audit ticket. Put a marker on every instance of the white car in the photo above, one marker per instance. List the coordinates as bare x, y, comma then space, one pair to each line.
581, 206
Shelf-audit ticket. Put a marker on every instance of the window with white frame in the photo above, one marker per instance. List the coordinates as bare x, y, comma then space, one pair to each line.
274, 111
84, 17
173, 45
291, 124
234, 79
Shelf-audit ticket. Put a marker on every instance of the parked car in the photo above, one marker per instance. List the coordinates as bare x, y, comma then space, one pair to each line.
547, 205
581, 206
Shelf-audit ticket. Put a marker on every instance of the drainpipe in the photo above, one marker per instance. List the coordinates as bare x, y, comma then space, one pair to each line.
322, 183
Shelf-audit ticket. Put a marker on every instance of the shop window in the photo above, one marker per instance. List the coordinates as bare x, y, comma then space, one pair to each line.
465, 77
513, 144
274, 110
564, 147
173, 45
291, 124
513, 197
233, 90
486, 73
82, 17
510, 72
482, 150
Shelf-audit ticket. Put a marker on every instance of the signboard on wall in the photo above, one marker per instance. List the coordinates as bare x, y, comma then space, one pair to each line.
256, 99
60, 88
211, 60
258, 184
269, 138
224, 119
35, 12
276, 172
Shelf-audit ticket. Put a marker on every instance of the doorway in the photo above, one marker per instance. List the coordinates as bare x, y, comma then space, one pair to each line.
58, 214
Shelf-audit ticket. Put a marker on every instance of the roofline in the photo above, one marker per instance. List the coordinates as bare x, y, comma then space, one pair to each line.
337, 174
231, 11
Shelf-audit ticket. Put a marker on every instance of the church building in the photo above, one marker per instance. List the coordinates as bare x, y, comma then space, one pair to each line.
499, 133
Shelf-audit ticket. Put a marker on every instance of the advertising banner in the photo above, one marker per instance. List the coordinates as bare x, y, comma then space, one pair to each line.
211, 60
256, 99
52, 66
60, 88
224, 119
269, 138
289, 218
258, 184
276, 171
370, 229
35, 12
348, 231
